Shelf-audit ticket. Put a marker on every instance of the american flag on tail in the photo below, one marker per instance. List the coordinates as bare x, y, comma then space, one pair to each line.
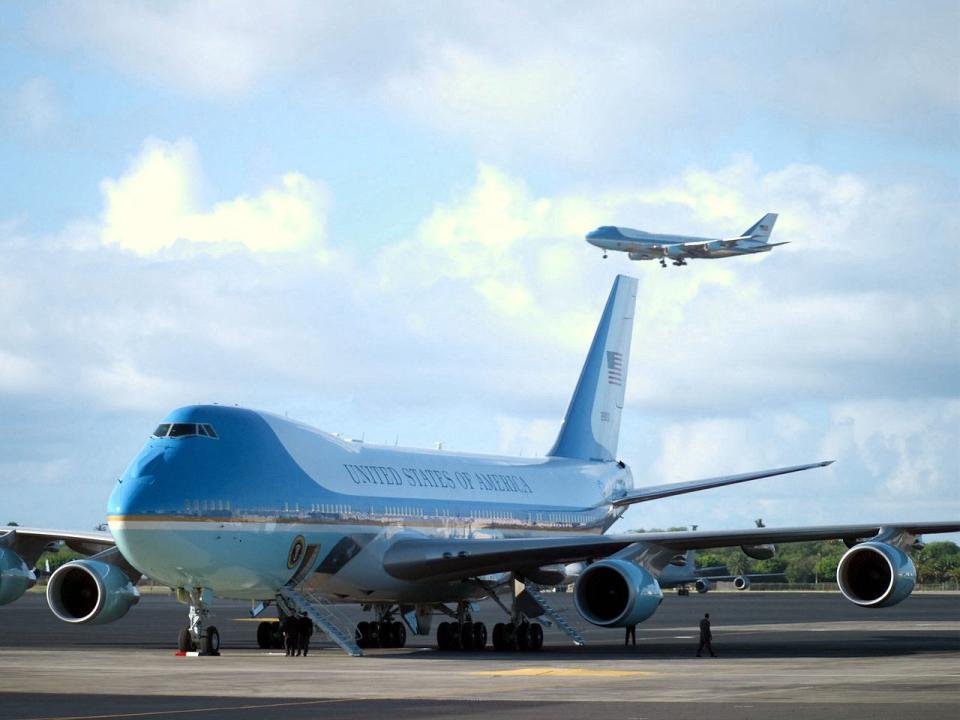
614, 368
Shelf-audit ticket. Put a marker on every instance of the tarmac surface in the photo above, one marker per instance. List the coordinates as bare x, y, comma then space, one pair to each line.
790, 654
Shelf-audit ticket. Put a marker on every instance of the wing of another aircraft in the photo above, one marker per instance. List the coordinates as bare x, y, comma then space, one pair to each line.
420, 558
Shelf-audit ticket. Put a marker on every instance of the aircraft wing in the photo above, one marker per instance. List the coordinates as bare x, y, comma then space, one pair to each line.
420, 558
655, 492
30, 543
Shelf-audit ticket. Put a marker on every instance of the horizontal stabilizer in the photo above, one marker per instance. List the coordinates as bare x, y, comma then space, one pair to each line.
655, 492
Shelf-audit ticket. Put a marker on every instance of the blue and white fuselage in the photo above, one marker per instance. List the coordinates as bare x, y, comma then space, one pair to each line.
240, 501
642, 245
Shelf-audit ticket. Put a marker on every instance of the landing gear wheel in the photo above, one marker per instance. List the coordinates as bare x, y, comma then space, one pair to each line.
265, 635
479, 636
536, 636
398, 634
498, 642
443, 636
453, 636
523, 636
184, 641
210, 643
510, 637
466, 636
373, 635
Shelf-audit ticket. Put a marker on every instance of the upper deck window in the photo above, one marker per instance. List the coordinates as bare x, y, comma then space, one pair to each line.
181, 430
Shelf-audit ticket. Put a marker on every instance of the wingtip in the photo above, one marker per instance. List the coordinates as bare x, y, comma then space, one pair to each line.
827, 462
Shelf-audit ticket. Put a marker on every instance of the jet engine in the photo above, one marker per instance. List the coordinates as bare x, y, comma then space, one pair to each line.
15, 577
874, 574
91, 592
703, 585
759, 552
616, 593
741, 582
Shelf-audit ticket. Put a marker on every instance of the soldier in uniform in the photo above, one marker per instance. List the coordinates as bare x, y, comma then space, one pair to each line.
705, 636
306, 630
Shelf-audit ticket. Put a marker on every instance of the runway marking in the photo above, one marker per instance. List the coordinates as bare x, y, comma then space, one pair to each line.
561, 672
158, 713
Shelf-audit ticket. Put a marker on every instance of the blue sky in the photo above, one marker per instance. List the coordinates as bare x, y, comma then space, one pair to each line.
371, 217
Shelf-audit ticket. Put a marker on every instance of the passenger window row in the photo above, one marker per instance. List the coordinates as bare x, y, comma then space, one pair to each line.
179, 430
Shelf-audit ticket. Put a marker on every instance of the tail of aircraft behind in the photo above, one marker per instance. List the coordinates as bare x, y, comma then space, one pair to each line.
761, 229
591, 427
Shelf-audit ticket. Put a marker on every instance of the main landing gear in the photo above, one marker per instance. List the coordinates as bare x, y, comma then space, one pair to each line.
663, 263
198, 635
523, 636
463, 633
680, 262
384, 633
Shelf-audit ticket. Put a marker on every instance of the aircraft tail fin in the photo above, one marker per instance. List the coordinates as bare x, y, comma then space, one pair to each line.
591, 427
761, 229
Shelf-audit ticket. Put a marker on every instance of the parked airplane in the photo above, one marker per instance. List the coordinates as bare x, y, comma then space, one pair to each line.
234, 503
641, 245
683, 573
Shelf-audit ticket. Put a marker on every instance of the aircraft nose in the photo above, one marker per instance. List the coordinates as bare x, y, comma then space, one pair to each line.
593, 236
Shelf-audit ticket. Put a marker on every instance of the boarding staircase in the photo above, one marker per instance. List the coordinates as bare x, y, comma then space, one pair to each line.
324, 614
554, 615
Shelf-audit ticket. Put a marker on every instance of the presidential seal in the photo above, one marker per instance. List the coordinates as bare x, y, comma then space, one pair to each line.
296, 552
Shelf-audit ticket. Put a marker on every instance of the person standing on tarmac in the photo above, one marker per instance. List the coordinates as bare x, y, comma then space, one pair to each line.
631, 635
705, 636
306, 630
290, 627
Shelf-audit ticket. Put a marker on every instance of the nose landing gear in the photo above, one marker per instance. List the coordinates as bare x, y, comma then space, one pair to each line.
198, 634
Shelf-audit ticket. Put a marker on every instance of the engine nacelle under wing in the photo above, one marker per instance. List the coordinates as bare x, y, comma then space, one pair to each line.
741, 582
759, 552
90, 592
702, 585
616, 593
874, 574
15, 577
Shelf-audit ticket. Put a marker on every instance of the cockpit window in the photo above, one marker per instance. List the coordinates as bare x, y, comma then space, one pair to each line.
181, 430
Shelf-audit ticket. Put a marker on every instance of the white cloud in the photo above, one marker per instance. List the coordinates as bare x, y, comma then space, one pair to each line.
34, 109
555, 79
909, 447
156, 204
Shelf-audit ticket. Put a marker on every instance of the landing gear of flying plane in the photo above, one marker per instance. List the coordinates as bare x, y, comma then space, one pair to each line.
663, 263
604, 254
198, 634
680, 262
384, 633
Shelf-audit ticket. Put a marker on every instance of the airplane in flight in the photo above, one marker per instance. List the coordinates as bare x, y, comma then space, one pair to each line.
642, 245
226, 502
